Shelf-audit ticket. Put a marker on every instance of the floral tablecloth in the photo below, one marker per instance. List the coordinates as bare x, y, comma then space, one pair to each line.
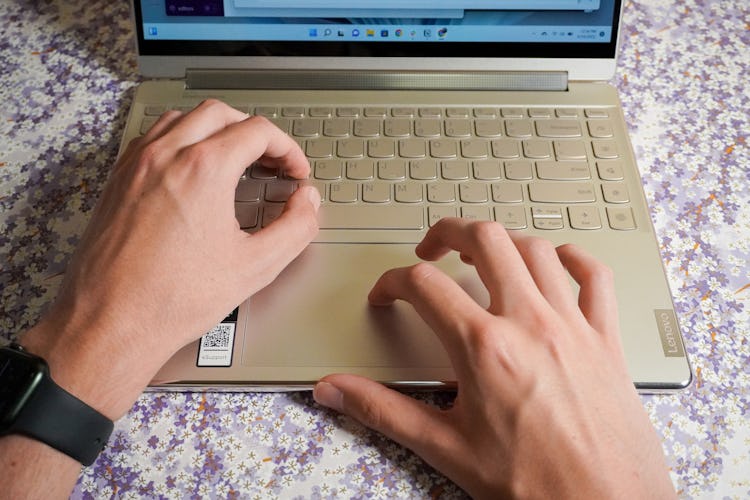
67, 75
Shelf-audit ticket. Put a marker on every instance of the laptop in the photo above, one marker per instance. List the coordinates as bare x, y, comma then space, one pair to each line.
409, 112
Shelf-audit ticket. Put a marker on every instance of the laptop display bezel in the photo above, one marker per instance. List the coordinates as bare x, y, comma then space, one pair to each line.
377, 50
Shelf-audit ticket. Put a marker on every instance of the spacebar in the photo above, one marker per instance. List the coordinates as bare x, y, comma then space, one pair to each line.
371, 217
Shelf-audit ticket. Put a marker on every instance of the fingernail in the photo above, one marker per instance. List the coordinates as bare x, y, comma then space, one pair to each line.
328, 395
314, 196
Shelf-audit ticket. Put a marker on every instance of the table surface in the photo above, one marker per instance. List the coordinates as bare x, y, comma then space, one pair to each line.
69, 73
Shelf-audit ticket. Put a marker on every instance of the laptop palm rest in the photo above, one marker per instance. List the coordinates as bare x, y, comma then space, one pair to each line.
314, 319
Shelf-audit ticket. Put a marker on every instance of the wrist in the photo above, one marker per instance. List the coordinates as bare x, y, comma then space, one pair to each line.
89, 364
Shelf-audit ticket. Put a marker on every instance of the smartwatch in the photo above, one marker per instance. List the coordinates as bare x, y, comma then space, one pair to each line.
32, 404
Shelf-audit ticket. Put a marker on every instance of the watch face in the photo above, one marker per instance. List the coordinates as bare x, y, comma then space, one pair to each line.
20, 374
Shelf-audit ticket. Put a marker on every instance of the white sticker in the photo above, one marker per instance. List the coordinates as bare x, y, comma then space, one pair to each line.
216, 346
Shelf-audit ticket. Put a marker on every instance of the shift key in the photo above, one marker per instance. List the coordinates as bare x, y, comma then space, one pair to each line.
562, 192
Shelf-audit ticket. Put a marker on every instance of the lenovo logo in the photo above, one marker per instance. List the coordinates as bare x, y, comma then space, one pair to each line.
670, 335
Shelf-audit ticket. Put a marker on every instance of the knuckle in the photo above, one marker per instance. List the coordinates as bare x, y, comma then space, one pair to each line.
370, 412
197, 154
420, 272
212, 103
486, 232
537, 247
150, 155
603, 274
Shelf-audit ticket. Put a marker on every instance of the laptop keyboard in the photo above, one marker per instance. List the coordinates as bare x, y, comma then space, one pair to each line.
405, 168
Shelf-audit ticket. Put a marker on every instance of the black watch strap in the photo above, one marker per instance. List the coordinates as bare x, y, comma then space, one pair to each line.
56, 417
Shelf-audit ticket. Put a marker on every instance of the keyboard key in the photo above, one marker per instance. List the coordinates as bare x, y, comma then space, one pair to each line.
548, 224
376, 112
430, 112
427, 127
443, 148
473, 192
609, 170
404, 112
475, 213
600, 128
293, 112
596, 113
309, 127
347, 112
271, 212
536, 148
280, 191
615, 192
487, 170
381, 148
336, 127
457, 170
351, 148
605, 149
505, 148
376, 192
423, 170
321, 112
440, 192
437, 212
408, 192
457, 112
412, 148
512, 217
397, 127
570, 150
563, 170
457, 128
540, 113
474, 148
586, 218
328, 169
319, 148
246, 214
513, 112
558, 128
621, 218
247, 190
367, 127
507, 192
518, 128
393, 170
518, 170
371, 217
360, 170
562, 192
487, 128
566, 113
343, 192
485, 112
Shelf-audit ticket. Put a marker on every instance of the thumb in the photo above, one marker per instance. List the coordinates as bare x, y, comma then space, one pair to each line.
279, 243
410, 422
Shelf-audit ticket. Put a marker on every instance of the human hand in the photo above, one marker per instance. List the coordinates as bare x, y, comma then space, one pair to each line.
163, 258
545, 406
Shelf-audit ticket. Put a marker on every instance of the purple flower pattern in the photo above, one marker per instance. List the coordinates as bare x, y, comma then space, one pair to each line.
68, 75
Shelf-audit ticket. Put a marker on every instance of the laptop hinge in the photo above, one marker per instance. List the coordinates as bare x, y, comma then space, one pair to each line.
227, 79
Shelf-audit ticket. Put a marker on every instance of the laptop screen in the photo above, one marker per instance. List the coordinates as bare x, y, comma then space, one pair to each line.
379, 28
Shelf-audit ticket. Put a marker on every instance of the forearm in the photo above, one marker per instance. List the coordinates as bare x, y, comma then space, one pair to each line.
87, 365
31, 469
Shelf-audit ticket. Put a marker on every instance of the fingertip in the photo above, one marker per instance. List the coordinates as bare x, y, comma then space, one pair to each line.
328, 395
312, 194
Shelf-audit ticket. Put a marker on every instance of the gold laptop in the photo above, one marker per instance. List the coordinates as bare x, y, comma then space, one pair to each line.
409, 112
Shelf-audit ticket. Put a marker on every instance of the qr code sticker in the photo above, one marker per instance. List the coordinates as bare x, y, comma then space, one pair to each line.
220, 337
216, 346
